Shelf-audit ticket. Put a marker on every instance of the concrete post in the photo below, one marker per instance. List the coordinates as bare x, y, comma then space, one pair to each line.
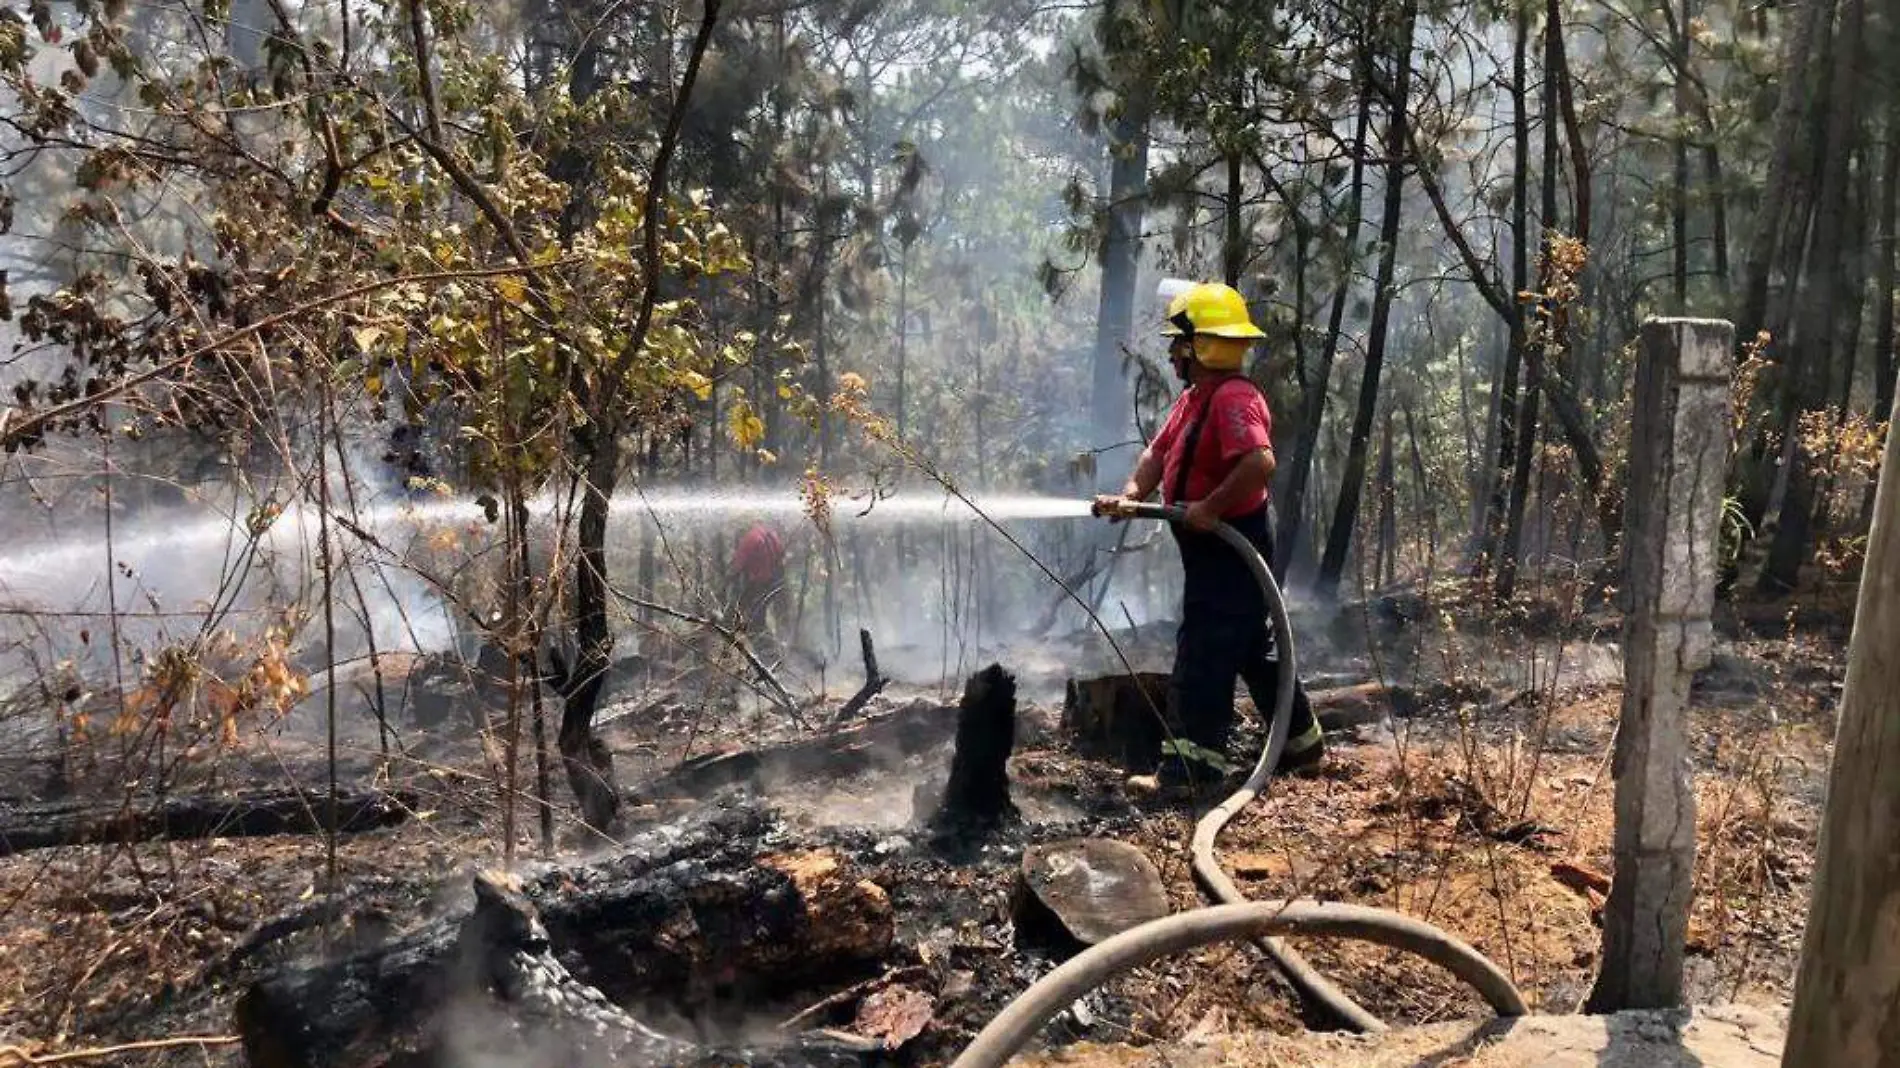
1679, 444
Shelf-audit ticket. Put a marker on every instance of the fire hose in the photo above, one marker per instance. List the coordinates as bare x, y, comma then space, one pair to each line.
1235, 917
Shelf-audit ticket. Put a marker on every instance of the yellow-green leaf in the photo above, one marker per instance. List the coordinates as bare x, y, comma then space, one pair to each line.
747, 428
698, 383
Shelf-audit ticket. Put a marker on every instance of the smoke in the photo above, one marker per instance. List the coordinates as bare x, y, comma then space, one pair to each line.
175, 572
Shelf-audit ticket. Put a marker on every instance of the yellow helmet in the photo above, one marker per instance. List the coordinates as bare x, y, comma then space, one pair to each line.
1211, 309
1215, 317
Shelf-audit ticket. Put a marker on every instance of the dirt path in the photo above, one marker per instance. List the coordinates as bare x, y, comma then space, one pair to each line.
1731, 1036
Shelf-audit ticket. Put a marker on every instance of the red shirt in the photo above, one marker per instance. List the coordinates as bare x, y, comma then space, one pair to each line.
759, 555
1237, 423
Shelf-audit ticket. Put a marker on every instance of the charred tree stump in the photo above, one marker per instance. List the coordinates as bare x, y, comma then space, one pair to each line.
1120, 718
977, 795
249, 814
686, 913
1086, 890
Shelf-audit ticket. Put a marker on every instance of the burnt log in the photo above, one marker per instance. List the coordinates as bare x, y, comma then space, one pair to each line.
1344, 707
977, 796
690, 914
244, 814
901, 733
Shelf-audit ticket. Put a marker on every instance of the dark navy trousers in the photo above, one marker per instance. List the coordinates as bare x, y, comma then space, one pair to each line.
1225, 635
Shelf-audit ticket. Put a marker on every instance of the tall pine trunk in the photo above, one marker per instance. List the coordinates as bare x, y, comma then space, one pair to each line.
1535, 354
1234, 242
1772, 219
1346, 516
1884, 277
1292, 500
1507, 400
1679, 201
1110, 404
1819, 332
1385, 568
1780, 224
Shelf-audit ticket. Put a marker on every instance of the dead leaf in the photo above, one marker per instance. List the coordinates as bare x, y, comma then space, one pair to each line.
894, 1015
1209, 1027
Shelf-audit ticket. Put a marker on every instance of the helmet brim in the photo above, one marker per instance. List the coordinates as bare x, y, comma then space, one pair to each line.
1236, 330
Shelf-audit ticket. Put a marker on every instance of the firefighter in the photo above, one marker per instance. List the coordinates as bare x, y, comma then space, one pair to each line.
758, 576
1215, 454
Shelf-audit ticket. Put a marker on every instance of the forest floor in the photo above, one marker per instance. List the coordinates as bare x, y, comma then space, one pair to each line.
1487, 812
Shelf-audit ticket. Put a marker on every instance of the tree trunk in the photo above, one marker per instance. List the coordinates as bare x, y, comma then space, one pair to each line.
1234, 245
821, 353
1679, 202
1111, 413
1526, 425
1718, 201
903, 337
1557, 386
1789, 122
1818, 331
1427, 504
1884, 282
588, 762
1484, 474
586, 759
1847, 358
1292, 503
1507, 401
1346, 514
1847, 990
1386, 567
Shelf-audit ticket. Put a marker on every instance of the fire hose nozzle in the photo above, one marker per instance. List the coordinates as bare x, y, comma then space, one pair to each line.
1123, 508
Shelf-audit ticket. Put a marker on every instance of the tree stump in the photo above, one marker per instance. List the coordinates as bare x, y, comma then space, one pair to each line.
1090, 889
977, 795
1114, 718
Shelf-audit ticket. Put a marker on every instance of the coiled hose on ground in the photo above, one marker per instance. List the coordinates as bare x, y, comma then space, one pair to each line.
1236, 917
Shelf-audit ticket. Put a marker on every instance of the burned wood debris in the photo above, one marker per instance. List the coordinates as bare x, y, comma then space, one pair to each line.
712, 907
874, 682
725, 934
902, 732
244, 814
